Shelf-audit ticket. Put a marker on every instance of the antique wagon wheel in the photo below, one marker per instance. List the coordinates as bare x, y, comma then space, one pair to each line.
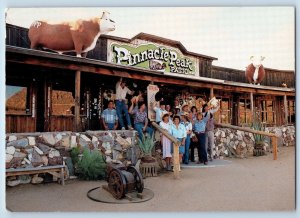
139, 184
117, 183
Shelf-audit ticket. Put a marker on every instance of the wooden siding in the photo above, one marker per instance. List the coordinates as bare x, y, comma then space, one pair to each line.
61, 123
272, 78
20, 123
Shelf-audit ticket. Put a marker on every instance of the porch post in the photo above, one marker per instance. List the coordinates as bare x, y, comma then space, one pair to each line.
285, 109
251, 103
211, 94
77, 126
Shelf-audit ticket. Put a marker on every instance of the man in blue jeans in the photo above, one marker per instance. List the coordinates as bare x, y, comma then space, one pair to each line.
140, 119
121, 92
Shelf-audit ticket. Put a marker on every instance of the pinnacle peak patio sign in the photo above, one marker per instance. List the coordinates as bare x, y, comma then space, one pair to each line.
152, 56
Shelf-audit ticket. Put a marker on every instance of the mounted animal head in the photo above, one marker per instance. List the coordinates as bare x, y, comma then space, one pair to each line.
106, 24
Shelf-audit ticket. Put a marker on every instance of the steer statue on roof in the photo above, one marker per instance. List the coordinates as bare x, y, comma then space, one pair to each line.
79, 35
255, 71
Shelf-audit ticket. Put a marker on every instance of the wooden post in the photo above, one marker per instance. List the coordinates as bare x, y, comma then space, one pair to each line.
274, 145
211, 94
176, 160
77, 126
285, 109
251, 103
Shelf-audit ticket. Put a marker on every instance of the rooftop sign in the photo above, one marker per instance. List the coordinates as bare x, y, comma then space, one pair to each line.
152, 56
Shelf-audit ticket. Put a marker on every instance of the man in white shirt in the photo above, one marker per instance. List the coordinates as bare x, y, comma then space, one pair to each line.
121, 92
159, 111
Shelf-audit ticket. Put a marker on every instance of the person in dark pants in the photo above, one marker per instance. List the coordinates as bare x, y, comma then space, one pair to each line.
199, 129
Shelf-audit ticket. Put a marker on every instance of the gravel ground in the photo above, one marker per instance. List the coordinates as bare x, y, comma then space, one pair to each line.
253, 184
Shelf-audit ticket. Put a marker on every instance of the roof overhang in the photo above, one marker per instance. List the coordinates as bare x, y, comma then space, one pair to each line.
54, 60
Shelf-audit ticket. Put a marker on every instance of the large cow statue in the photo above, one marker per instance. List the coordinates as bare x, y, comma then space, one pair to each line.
255, 71
79, 36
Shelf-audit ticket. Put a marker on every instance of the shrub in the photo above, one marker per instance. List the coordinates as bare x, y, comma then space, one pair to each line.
74, 155
91, 166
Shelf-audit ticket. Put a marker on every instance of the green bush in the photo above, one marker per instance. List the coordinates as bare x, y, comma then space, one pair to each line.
74, 155
91, 166
146, 144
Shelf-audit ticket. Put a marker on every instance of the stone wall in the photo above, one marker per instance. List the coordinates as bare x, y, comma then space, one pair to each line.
229, 142
27, 150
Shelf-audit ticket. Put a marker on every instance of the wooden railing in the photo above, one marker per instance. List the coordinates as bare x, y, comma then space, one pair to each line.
246, 129
175, 148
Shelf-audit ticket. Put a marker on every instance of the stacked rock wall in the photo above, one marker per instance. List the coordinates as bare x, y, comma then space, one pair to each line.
28, 150
229, 142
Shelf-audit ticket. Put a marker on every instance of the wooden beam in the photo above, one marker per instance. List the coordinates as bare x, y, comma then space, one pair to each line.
246, 129
77, 126
285, 103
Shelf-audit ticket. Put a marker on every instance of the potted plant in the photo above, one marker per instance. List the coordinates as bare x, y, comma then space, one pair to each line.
146, 145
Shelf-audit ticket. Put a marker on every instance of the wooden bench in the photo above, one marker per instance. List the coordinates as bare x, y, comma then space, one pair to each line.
57, 171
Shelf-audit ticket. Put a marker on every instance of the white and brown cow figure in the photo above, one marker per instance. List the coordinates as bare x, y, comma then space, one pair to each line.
255, 71
79, 36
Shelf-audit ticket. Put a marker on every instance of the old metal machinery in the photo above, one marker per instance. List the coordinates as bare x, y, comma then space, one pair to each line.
123, 180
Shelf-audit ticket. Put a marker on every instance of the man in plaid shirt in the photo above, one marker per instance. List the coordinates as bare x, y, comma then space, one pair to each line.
109, 117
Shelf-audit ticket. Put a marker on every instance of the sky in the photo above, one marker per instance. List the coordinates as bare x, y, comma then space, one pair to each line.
231, 34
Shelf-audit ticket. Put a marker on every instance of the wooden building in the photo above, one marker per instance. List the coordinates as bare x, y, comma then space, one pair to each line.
46, 91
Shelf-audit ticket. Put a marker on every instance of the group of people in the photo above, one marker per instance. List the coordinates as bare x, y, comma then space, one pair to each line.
192, 128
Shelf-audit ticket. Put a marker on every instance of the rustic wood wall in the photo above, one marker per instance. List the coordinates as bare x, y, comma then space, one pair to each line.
272, 78
20, 123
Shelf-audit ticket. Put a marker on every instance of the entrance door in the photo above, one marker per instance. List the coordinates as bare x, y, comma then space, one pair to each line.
94, 108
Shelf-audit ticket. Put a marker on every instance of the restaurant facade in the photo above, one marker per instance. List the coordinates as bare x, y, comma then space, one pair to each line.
46, 91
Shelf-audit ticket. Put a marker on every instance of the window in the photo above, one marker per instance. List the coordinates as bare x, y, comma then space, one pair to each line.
62, 103
291, 111
245, 115
223, 115
17, 100
267, 112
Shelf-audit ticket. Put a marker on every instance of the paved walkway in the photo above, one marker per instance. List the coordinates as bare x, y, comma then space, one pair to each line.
253, 184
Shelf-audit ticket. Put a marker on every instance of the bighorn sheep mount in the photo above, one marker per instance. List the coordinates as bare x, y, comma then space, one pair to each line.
79, 35
255, 71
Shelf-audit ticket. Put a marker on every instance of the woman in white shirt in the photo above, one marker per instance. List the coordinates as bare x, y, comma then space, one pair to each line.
166, 143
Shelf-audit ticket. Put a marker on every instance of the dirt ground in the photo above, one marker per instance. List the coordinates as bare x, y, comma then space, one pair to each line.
253, 184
